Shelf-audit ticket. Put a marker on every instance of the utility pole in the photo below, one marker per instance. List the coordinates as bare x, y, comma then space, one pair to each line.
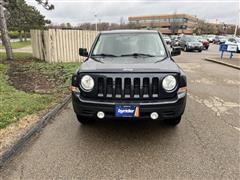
238, 21
4, 32
96, 28
100, 25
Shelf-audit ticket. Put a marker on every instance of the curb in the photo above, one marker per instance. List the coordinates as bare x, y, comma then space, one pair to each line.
34, 129
223, 63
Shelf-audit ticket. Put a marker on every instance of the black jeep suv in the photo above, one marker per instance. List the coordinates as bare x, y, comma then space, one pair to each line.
129, 74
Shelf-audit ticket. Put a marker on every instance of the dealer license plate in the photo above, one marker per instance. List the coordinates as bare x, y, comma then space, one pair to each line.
127, 111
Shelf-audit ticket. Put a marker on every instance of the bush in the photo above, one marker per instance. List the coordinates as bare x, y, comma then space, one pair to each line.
15, 34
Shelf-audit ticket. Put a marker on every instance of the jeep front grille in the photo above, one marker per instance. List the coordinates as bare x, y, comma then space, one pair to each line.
128, 88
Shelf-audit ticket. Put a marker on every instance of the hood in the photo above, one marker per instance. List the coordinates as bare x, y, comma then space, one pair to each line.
195, 43
129, 64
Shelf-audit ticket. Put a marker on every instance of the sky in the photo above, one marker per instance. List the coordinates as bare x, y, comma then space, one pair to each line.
80, 11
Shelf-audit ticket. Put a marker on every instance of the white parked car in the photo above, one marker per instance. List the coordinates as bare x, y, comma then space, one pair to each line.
211, 38
234, 41
167, 39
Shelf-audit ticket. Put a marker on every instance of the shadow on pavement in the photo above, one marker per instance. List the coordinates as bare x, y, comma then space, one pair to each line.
118, 133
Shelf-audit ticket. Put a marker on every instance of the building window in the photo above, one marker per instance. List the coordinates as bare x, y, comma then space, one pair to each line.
183, 27
178, 20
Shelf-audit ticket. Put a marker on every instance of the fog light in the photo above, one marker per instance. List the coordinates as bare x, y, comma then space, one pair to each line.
100, 115
154, 115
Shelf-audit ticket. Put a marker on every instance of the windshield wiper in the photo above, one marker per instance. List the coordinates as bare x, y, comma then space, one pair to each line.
160, 60
104, 55
138, 54
97, 59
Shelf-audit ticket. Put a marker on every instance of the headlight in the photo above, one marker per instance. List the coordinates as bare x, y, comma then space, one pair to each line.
169, 83
87, 83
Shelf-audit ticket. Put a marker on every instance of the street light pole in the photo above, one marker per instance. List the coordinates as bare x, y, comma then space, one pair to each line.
96, 25
237, 22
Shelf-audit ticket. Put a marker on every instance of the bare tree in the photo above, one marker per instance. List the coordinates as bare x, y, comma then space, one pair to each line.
4, 32
102, 26
201, 27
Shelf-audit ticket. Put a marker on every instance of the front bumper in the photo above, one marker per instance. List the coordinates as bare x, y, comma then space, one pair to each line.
195, 47
166, 109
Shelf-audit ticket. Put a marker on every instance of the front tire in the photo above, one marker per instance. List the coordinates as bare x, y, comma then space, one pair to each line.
185, 49
84, 120
199, 50
173, 121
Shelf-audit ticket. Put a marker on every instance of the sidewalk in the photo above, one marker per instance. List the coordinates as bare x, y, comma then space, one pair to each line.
234, 62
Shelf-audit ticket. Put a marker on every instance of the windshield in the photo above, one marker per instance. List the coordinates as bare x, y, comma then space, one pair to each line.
191, 39
115, 45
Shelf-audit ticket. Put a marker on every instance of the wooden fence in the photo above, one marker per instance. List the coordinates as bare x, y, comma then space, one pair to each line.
56, 45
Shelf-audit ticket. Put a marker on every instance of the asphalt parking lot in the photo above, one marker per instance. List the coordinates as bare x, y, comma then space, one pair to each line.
205, 145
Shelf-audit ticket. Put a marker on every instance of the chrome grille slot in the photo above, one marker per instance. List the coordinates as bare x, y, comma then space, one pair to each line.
109, 87
118, 87
100, 87
127, 88
136, 88
145, 90
155, 87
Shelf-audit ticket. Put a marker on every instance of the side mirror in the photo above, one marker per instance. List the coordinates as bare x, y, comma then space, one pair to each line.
83, 52
175, 51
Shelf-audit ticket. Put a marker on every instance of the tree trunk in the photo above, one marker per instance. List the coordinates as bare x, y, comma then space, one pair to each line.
25, 35
20, 36
4, 32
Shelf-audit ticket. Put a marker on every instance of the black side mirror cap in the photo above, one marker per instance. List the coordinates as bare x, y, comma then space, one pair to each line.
83, 52
175, 51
